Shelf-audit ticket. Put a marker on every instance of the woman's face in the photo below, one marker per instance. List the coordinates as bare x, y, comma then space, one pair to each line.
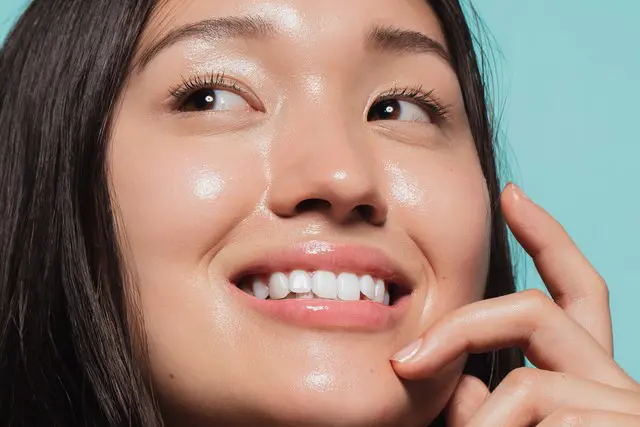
315, 152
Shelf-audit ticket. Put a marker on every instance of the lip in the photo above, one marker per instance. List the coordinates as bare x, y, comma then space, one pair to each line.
327, 314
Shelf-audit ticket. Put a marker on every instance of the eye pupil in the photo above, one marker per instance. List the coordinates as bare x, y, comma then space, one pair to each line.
200, 100
385, 110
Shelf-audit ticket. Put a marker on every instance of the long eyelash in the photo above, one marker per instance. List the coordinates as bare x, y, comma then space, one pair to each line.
196, 82
426, 99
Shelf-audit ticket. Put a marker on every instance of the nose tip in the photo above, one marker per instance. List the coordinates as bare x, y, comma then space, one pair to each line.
345, 204
345, 195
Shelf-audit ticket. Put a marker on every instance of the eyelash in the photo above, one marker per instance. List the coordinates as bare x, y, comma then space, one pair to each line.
197, 82
426, 99
416, 94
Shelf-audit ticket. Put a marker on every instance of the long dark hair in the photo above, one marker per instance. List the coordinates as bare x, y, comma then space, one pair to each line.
67, 346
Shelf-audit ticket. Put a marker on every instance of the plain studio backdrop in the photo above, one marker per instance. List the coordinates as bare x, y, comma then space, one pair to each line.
567, 85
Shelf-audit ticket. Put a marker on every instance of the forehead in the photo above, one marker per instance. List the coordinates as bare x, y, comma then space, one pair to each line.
304, 20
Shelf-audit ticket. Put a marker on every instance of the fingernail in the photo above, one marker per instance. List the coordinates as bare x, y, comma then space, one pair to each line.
517, 191
408, 352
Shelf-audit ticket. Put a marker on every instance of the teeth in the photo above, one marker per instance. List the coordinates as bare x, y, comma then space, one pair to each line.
300, 284
278, 286
378, 292
260, 289
367, 287
306, 295
325, 285
348, 287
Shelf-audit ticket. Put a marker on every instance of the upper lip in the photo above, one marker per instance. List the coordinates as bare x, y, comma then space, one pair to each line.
316, 255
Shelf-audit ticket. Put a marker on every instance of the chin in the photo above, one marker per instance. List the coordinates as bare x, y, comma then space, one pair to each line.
354, 408
367, 395
373, 399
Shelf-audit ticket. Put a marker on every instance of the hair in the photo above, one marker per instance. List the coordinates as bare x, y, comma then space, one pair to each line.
67, 344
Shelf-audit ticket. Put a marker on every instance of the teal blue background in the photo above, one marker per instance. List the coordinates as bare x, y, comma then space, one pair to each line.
568, 86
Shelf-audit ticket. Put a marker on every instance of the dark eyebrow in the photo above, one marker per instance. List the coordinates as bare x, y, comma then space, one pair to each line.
249, 27
398, 40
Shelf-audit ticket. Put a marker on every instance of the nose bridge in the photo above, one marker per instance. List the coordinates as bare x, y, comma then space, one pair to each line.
323, 162
335, 152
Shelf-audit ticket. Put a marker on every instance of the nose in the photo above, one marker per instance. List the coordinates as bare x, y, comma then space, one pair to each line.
322, 169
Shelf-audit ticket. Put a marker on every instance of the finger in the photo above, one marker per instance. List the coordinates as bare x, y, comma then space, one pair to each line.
527, 396
572, 281
590, 418
465, 401
550, 339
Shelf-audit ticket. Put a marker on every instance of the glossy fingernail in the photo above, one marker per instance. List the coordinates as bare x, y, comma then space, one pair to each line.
407, 353
518, 193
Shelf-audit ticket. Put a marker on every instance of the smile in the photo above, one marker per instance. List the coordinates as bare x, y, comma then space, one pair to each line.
338, 286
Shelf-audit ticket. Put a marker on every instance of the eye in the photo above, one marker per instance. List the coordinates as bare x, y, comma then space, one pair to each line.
213, 100
398, 109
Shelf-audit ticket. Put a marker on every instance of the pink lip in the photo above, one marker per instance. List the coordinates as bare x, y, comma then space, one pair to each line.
319, 313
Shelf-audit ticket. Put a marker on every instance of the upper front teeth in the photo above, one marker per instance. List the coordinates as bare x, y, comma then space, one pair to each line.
321, 284
278, 286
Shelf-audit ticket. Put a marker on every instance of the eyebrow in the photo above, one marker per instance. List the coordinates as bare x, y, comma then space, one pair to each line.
379, 38
248, 27
401, 41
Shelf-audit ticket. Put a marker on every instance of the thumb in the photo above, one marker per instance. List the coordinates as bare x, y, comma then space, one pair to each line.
466, 400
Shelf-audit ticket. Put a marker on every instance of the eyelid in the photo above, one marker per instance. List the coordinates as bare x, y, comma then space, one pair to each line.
417, 95
213, 81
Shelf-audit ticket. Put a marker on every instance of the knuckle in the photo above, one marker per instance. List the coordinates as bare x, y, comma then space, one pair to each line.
601, 287
470, 383
536, 298
524, 380
597, 291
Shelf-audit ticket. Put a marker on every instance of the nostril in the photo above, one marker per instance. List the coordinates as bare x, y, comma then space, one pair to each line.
310, 205
366, 212
343, 213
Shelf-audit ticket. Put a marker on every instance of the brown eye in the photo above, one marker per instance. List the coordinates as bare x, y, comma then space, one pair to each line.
396, 109
213, 100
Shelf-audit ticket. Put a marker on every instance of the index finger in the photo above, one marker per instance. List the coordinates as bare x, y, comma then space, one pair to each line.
571, 279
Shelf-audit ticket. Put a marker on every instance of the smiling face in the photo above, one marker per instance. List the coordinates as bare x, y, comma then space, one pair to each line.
301, 197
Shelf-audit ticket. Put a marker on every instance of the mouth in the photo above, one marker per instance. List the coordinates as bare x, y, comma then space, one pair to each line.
320, 284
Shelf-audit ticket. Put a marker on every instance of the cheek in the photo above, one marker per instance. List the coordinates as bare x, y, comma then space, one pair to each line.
442, 201
178, 200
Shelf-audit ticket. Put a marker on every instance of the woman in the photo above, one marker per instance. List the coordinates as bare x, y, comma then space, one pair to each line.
276, 213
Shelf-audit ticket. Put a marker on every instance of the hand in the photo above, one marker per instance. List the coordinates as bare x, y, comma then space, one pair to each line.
576, 382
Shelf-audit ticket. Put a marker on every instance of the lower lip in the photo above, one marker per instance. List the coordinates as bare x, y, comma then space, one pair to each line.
365, 316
